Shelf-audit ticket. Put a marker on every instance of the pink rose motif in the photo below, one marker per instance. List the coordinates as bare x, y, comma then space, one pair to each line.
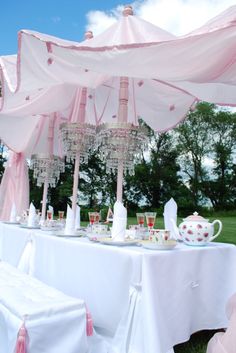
190, 231
199, 226
206, 235
184, 227
199, 239
140, 83
50, 61
172, 107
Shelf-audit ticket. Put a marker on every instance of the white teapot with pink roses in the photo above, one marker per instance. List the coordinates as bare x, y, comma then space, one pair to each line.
196, 230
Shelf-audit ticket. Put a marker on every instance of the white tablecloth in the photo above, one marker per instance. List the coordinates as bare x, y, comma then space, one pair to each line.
147, 301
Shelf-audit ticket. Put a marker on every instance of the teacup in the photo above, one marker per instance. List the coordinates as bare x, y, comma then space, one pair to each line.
159, 235
99, 228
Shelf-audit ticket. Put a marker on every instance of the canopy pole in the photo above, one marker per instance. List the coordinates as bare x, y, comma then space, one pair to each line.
120, 172
122, 118
75, 185
44, 202
52, 120
80, 119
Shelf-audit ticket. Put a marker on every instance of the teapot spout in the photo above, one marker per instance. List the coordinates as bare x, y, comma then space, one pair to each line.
175, 228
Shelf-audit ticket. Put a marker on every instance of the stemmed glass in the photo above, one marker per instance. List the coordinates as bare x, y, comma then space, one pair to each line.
97, 217
92, 218
61, 215
150, 219
49, 215
140, 219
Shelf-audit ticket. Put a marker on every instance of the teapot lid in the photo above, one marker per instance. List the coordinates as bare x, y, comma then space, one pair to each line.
196, 218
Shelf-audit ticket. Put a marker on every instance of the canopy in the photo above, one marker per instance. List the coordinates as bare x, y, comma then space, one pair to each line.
168, 73
41, 81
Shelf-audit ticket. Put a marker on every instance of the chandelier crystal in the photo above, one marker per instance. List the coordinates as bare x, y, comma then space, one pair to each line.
77, 138
120, 142
47, 167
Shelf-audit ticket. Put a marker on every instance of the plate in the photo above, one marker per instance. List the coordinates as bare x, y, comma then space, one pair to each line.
63, 235
155, 246
29, 227
110, 241
49, 229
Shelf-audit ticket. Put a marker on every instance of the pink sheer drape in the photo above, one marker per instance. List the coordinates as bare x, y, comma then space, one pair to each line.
225, 342
14, 187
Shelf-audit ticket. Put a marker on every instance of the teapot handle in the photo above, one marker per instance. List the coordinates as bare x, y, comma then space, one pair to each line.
220, 229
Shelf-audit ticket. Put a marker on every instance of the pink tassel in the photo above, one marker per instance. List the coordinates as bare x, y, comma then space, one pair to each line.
89, 323
21, 340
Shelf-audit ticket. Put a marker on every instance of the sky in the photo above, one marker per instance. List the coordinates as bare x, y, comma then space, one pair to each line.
68, 19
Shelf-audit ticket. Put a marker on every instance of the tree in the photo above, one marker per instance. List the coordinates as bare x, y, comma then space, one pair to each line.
2, 159
157, 176
219, 187
194, 137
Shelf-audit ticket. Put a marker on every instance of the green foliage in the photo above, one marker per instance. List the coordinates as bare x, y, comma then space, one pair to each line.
2, 159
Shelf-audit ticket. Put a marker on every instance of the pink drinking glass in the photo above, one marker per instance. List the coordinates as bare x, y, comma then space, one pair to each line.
49, 215
61, 215
150, 219
97, 217
140, 219
92, 217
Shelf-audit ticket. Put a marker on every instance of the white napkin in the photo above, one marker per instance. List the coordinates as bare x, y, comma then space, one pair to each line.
119, 222
170, 212
50, 208
77, 218
70, 224
13, 213
32, 216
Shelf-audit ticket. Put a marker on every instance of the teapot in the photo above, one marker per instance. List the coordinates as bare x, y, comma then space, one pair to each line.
196, 230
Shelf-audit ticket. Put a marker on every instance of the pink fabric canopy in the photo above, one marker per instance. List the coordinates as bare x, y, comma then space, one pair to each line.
14, 188
53, 83
167, 75
224, 342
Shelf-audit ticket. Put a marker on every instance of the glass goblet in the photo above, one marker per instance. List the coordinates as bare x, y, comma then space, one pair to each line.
92, 217
61, 215
150, 219
140, 219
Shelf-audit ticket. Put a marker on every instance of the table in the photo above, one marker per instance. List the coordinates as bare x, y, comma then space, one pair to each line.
145, 301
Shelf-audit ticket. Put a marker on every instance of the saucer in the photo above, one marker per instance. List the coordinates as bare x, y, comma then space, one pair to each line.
110, 241
8, 222
168, 245
28, 227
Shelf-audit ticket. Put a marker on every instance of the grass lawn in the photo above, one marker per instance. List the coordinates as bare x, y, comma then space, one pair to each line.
198, 341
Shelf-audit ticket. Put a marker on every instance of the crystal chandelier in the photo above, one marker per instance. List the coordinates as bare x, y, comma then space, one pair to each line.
47, 168
120, 142
77, 138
